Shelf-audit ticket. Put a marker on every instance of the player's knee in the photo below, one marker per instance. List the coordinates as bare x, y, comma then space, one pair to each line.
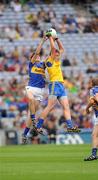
30, 98
66, 107
49, 108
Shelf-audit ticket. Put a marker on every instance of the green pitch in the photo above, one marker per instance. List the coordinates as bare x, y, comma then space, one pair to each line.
47, 162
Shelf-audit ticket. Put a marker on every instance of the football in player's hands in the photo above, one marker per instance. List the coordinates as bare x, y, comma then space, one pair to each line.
51, 32
48, 34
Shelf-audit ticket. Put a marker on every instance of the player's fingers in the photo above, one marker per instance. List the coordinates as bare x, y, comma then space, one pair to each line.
48, 34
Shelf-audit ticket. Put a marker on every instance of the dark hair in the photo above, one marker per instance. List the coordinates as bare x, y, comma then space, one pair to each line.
95, 81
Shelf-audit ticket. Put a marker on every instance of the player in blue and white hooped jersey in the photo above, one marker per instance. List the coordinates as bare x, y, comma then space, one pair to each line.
35, 87
93, 103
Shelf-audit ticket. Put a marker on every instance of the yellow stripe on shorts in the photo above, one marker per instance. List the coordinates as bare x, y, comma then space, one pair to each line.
53, 85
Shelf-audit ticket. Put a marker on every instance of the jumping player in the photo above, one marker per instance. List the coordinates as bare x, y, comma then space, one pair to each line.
56, 88
93, 103
35, 88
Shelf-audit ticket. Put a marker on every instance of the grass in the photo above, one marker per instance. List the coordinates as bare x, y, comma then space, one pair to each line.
47, 162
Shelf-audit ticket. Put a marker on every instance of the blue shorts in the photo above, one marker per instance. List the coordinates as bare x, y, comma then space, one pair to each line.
57, 89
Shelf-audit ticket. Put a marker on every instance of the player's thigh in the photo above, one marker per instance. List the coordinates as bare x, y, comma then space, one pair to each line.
29, 93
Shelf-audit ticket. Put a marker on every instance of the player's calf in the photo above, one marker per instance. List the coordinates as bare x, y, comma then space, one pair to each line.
24, 139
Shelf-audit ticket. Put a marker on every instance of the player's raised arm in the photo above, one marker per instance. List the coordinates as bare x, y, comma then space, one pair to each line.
60, 45
35, 55
52, 44
51, 34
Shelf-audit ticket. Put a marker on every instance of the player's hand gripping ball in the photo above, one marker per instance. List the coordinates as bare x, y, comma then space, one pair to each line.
51, 32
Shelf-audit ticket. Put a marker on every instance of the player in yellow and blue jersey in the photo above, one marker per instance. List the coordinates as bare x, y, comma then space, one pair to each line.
93, 103
35, 88
56, 88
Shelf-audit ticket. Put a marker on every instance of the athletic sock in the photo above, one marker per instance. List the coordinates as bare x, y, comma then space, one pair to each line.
94, 151
40, 123
26, 131
32, 117
69, 123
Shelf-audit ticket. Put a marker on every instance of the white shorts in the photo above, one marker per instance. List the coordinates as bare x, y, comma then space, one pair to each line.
36, 93
95, 120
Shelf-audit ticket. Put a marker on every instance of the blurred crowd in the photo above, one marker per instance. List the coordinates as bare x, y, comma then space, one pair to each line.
16, 59
34, 22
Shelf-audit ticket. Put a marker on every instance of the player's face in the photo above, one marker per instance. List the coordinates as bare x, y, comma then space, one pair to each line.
57, 54
37, 58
